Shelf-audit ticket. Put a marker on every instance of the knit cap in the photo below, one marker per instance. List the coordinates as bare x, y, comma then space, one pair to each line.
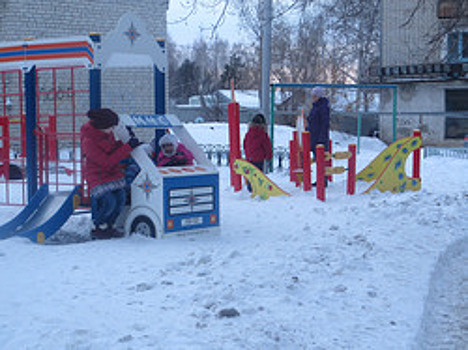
318, 91
168, 139
103, 118
258, 119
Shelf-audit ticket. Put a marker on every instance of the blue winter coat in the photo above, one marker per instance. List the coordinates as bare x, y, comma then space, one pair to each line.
318, 123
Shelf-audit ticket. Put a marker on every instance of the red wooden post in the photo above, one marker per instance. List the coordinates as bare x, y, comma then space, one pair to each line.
320, 182
329, 162
417, 157
351, 186
292, 159
306, 168
297, 159
234, 143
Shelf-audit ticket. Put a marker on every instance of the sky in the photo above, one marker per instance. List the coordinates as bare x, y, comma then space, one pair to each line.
184, 27
369, 271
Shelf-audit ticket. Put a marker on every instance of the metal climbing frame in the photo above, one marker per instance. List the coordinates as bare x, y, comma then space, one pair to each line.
12, 138
62, 99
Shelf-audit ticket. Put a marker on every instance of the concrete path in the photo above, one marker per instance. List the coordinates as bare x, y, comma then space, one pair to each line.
444, 323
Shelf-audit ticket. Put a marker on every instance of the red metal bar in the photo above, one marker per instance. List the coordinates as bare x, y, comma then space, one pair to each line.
60, 68
320, 182
417, 157
74, 139
52, 131
23, 135
5, 149
351, 185
40, 155
22, 117
306, 168
329, 162
52, 137
46, 155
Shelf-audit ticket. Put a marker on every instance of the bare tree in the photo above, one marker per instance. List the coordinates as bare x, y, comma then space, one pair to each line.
452, 14
354, 27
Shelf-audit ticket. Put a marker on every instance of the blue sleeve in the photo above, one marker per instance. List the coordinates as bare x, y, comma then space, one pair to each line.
131, 171
309, 120
324, 115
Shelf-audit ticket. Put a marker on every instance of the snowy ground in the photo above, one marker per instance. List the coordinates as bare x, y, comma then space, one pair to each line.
377, 271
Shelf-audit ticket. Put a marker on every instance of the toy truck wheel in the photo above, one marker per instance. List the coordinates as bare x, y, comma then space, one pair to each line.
144, 226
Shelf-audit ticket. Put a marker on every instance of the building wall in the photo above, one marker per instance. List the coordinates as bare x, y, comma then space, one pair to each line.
57, 18
421, 102
126, 90
408, 44
420, 106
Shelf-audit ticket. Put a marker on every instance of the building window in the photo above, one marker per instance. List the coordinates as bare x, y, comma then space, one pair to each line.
464, 43
456, 126
457, 47
447, 9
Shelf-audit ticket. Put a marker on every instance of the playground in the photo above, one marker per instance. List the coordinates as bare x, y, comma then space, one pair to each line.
355, 269
349, 266
45, 97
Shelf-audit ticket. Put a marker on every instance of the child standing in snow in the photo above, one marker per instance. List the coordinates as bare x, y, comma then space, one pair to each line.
102, 154
257, 144
173, 153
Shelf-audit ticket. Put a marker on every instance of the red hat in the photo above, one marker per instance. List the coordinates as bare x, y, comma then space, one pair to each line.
103, 118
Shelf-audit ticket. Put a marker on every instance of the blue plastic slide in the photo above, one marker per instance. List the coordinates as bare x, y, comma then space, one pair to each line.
43, 216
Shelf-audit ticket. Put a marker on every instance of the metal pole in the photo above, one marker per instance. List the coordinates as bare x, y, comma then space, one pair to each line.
266, 55
359, 130
272, 125
31, 145
394, 121
95, 91
95, 88
159, 77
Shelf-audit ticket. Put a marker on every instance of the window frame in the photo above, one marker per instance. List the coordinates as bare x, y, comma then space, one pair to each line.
455, 48
456, 125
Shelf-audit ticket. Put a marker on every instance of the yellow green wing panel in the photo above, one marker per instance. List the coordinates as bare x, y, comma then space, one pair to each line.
261, 184
387, 170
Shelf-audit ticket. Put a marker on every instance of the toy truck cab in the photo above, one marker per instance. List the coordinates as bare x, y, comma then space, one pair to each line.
166, 201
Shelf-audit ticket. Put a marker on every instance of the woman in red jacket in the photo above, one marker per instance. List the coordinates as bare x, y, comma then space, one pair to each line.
257, 144
102, 154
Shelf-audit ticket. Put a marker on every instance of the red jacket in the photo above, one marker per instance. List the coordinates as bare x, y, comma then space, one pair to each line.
102, 154
182, 156
257, 144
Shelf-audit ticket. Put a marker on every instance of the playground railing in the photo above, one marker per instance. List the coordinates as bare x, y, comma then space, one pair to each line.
459, 152
219, 155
